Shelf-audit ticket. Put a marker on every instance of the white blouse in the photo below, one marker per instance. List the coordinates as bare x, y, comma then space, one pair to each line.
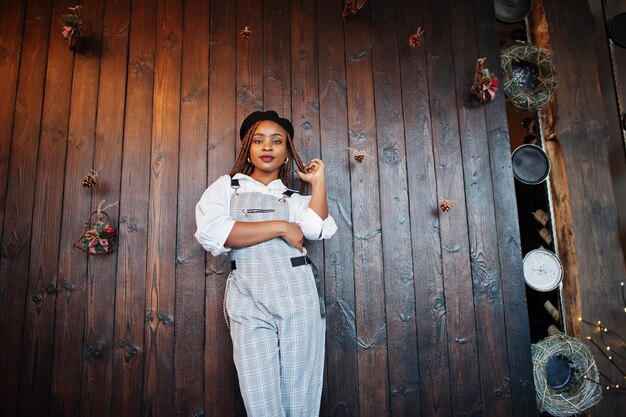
214, 222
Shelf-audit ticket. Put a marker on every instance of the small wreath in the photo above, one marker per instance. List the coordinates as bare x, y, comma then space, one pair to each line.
99, 236
530, 79
581, 392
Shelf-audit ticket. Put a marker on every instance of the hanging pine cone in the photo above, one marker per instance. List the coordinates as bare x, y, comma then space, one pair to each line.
358, 156
90, 180
445, 205
245, 33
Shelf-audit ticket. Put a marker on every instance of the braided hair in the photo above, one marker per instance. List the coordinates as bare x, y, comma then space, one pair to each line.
244, 167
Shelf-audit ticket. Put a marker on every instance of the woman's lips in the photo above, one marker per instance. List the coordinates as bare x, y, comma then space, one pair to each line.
267, 158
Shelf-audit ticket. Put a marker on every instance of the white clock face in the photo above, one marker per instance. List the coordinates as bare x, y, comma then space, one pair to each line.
542, 270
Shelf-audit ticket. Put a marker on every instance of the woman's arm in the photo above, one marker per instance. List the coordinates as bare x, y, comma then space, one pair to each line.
250, 233
315, 177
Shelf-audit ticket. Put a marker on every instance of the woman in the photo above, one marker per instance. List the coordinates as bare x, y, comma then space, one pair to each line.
271, 301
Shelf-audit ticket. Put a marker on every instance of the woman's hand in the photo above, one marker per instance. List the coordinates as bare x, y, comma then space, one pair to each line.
315, 172
293, 235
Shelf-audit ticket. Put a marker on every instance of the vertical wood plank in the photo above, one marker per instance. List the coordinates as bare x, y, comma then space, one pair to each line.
507, 225
341, 395
222, 398
22, 132
190, 260
276, 51
455, 254
582, 130
249, 60
394, 203
368, 266
484, 253
432, 339
11, 27
129, 354
160, 273
44, 252
71, 344
101, 284
304, 94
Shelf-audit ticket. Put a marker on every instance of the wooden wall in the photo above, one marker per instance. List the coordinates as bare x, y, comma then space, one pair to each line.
427, 313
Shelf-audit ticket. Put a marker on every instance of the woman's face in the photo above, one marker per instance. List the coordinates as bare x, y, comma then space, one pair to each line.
268, 150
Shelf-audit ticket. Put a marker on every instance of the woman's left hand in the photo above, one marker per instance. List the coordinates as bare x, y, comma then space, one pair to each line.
315, 171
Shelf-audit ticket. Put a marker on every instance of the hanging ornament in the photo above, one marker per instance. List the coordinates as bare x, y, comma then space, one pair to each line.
358, 156
352, 6
245, 33
485, 82
445, 205
72, 26
90, 180
415, 40
99, 236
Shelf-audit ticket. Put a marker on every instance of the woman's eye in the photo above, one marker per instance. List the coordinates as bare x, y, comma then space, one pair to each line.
277, 142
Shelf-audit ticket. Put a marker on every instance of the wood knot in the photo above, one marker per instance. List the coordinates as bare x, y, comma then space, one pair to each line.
166, 319
129, 347
94, 351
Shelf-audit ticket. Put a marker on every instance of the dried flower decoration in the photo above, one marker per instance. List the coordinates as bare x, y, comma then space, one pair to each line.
245, 33
90, 180
352, 6
485, 82
416, 39
72, 25
99, 236
445, 205
358, 156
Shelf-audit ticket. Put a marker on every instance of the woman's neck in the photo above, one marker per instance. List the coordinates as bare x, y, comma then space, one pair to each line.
263, 177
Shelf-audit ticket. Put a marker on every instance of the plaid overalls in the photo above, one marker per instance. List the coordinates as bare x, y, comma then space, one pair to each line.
274, 314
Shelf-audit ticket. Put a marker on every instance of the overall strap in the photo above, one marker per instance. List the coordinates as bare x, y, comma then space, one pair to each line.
234, 183
286, 194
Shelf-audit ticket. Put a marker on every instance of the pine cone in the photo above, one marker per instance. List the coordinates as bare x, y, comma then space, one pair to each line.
245, 33
445, 206
90, 180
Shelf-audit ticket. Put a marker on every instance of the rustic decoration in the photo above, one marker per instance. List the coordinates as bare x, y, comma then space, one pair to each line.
352, 6
416, 39
530, 79
581, 392
245, 33
445, 205
90, 180
358, 156
99, 236
72, 26
485, 82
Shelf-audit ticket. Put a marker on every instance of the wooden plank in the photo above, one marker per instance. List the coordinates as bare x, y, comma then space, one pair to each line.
582, 133
341, 396
249, 60
19, 151
129, 354
160, 273
44, 252
435, 392
276, 51
457, 274
559, 191
483, 234
221, 398
11, 26
510, 253
399, 278
368, 266
190, 260
71, 343
97, 377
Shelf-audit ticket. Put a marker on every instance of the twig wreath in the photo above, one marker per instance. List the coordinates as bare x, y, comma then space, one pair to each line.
530, 79
99, 236
584, 390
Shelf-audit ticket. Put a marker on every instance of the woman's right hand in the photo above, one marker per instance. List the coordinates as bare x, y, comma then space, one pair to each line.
293, 235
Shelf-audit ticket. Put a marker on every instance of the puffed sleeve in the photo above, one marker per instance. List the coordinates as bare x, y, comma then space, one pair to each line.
213, 219
312, 225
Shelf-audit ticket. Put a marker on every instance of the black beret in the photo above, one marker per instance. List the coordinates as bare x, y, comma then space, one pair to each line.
258, 116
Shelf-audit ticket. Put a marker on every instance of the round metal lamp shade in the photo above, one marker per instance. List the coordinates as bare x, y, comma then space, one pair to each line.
531, 164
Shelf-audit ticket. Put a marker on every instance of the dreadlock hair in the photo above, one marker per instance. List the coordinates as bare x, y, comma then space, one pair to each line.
285, 174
